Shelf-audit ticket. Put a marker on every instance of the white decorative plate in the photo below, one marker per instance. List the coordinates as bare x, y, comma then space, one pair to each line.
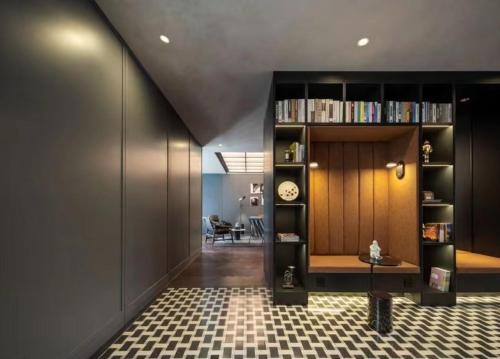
288, 191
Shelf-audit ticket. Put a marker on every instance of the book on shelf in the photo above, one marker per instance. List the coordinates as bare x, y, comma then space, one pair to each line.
325, 110
440, 279
437, 232
436, 112
290, 110
402, 112
298, 152
363, 112
288, 237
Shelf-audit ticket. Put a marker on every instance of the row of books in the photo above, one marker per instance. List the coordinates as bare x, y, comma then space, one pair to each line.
329, 110
325, 110
440, 279
436, 112
288, 237
297, 151
290, 111
363, 112
402, 112
437, 232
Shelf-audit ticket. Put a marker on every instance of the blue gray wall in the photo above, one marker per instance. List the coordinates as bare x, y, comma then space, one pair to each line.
100, 182
221, 193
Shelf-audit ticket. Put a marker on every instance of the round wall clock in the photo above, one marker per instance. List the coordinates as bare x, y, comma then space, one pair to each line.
288, 191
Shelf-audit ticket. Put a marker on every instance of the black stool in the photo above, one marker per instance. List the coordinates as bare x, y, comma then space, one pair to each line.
380, 311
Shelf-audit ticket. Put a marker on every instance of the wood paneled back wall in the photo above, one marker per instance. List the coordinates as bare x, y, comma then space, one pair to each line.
354, 199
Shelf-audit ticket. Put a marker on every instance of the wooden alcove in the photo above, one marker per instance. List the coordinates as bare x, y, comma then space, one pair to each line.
354, 198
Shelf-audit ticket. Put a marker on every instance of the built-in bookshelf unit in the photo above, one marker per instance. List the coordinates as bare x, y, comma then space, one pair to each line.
290, 216
356, 114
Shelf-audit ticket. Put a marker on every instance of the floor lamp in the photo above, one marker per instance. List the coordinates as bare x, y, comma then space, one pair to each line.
241, 201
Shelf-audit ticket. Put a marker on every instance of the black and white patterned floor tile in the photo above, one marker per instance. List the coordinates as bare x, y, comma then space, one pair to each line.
242, 323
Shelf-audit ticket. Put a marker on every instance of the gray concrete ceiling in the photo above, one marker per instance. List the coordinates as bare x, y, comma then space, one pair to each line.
217, 69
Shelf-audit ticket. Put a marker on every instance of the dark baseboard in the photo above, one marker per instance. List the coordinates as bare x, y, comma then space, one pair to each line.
178, 269
98, 339
137, 306
134, 307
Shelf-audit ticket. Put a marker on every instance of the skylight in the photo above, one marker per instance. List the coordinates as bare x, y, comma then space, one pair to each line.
241, 162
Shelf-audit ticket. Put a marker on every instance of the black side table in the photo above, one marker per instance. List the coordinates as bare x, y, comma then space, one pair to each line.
379, 302
237, 232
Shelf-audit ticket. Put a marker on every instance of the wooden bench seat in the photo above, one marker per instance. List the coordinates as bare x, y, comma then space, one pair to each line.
468, 262
351, 264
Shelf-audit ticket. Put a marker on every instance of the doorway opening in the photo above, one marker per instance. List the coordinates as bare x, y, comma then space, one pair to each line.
232, 252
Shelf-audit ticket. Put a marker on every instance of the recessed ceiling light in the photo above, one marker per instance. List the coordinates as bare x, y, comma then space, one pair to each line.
220, 145
164, 39
363, 42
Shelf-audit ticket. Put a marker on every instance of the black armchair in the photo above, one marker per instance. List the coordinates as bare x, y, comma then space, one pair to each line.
219, 227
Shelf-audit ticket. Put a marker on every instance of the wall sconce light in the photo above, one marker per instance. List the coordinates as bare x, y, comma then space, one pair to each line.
313, 165
400, 168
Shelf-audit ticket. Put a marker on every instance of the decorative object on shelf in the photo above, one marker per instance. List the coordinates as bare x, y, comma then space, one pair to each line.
288, 237
437, 232
254, 201
288, 278
400, 168
375, 250
428, 195
440, 279
426, 151
288, 156
239, 224
288, 191
297, 151
256, 188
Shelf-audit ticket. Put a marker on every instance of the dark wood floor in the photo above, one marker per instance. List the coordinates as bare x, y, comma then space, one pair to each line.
224, 266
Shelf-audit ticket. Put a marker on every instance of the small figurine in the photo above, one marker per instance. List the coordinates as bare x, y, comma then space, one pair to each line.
288, 277
426, 151
375, 250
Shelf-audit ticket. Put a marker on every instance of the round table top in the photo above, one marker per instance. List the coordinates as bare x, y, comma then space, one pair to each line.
383, 261
238, 229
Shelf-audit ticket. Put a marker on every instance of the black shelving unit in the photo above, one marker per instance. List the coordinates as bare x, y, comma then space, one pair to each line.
437, 176
289, 217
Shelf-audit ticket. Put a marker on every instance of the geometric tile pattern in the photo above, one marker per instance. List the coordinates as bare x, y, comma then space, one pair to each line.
243, 323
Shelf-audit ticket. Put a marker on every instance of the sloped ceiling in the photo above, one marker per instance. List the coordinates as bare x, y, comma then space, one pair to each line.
217, 69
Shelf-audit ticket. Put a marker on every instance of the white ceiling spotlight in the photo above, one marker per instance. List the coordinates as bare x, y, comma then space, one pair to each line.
164, 39
220, 145
363, 42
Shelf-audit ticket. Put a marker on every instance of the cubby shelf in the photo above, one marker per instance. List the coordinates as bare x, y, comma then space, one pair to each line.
290, 243
285, 204
298, 287
434, 291
289, 165
431, 243
437, 164
437, 204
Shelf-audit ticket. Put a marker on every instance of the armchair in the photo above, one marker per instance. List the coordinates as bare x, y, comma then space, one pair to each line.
219, 227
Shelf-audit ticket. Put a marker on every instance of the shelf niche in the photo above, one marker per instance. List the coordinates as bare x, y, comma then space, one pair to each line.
354, 198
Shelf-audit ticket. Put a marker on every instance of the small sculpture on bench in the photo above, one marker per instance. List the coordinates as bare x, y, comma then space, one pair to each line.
375, 250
